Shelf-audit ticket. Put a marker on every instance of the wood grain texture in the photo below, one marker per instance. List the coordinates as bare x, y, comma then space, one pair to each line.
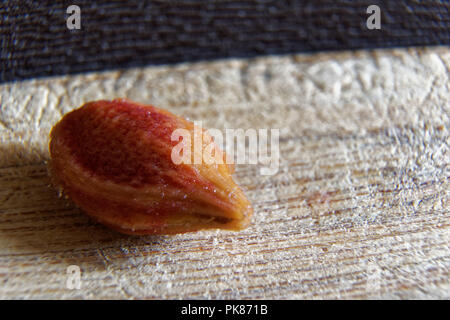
358, 209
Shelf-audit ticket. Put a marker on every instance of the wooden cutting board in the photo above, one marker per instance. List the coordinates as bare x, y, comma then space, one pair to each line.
359, 207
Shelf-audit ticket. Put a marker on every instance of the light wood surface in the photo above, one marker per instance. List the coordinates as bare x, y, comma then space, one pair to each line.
358, 209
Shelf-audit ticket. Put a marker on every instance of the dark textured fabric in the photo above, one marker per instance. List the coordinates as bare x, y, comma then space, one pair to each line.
36, 42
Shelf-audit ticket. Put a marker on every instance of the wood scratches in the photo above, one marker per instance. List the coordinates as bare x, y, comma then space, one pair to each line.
358, 208
45, 224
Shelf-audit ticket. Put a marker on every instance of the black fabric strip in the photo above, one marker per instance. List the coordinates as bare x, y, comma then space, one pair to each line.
35, 40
